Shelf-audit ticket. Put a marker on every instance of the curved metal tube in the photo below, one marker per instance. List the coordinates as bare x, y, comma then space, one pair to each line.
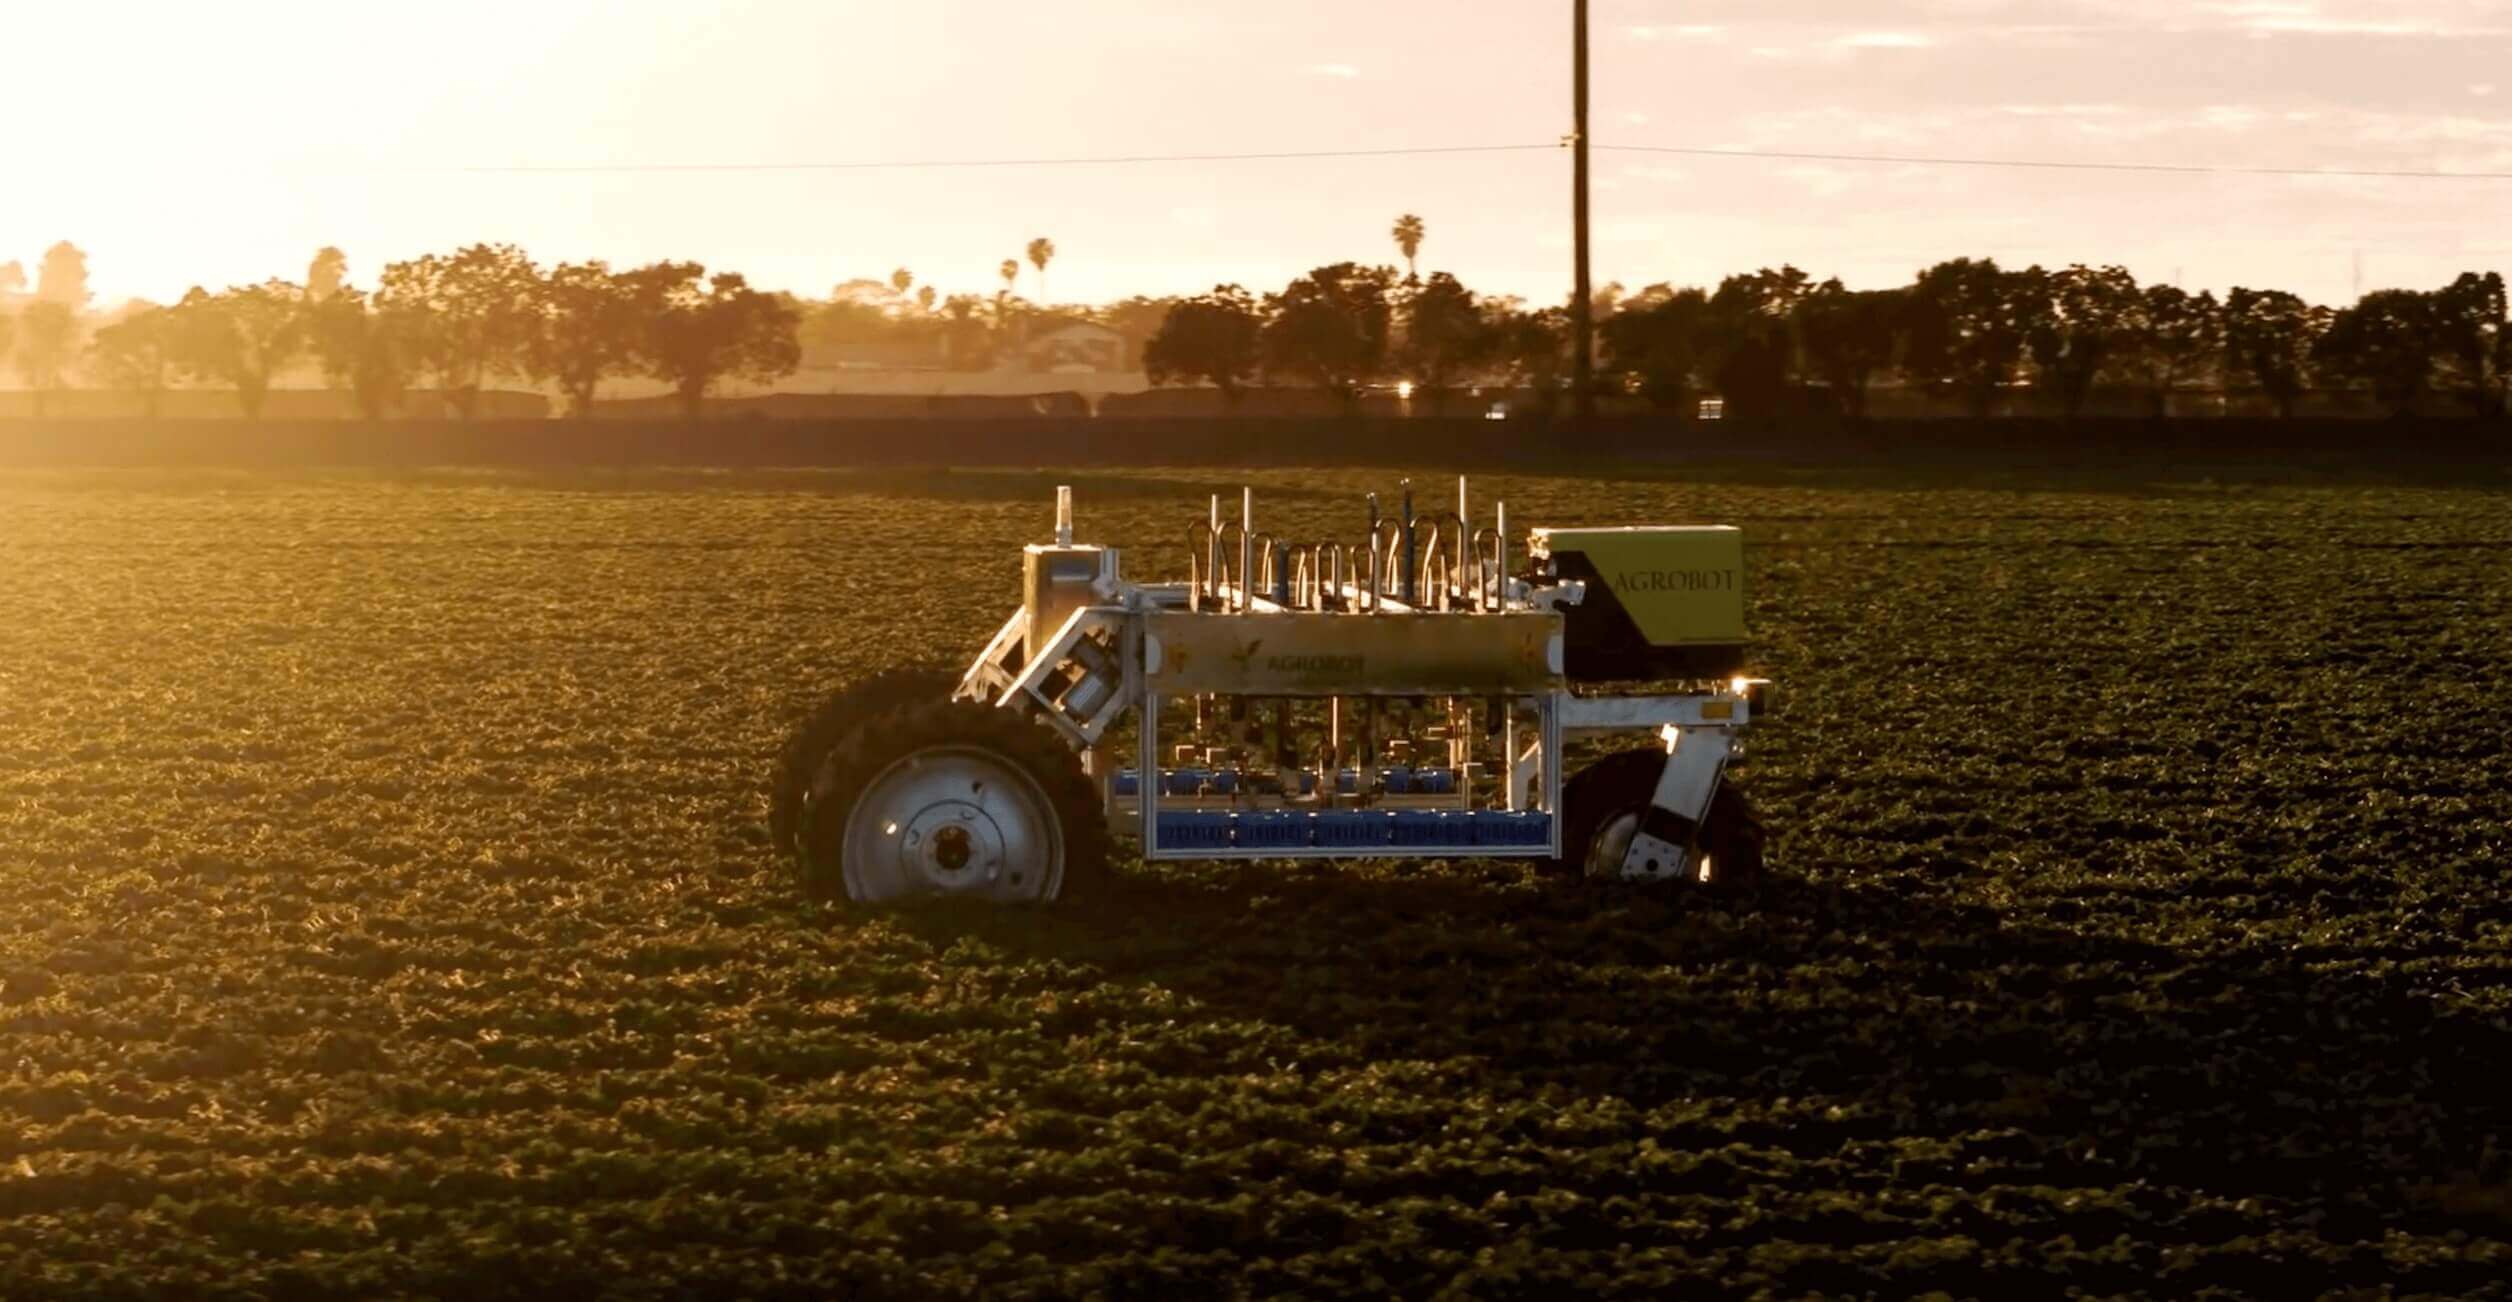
1487, 568
1448, 524
1382, 560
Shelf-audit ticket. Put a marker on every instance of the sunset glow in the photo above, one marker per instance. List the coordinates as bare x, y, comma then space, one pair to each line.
219, 144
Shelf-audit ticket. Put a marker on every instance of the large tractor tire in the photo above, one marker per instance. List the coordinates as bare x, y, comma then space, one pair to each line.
1603, 803
956, 799
799, 760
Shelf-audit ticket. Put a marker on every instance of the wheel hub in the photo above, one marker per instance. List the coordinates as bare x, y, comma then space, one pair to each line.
953, 844
1612, 841
953, 821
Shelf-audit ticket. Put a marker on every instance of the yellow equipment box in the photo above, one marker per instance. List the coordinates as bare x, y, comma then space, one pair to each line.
1662, 601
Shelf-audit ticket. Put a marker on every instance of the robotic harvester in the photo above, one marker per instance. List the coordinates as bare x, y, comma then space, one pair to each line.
1406, 695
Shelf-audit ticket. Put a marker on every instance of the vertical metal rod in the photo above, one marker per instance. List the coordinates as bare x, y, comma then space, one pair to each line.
1247, 544
1212, 545
1064, 515
1582, 327
1406, 587
1500, 583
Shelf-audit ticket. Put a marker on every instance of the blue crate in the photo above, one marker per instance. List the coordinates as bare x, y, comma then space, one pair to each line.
1193, 829
1182, 782
1272, 829
1519, 829
1435, 782
1128, 782
1354, 828
1395, 781
1432, 828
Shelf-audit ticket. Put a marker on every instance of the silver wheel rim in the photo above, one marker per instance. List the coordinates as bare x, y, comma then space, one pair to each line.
1613, 840
953, 820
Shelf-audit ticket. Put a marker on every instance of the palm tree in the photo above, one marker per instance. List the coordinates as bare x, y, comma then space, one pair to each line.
901, 279
1041, 252
1408, 236
1011, 272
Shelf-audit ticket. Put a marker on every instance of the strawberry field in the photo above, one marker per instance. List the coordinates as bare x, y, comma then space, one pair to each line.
386, 907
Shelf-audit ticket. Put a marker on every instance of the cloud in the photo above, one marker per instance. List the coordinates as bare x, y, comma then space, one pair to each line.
1885, 41
1333, 70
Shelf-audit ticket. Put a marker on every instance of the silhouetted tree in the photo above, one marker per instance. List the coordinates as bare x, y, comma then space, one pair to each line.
1968, 322
1330, 327
2081, 319
240, 337
590, 331
369, 344
1749, 345
924, 298
1848, 336
1041, 252
2268, 338
701, 329
1209, 339
1533, 347
1137, 319
1407, 233
62, 278
964, 336
900, 280
325, 274
47, 340
2475, 343
1654, 345
1444, 334
2172, 335
2389, 341
136, 355
478, 309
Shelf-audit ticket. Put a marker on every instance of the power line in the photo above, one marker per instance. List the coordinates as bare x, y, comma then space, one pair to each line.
1691, 151
2191, 169
1103, 160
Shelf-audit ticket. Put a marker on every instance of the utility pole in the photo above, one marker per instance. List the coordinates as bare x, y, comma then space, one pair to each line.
1582, 329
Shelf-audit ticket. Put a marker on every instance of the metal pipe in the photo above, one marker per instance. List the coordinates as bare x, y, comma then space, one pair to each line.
1381, 560
1199, 562
1484, 576
1406, 589
1500, 586
1247, 541
1440, 525
1064, 515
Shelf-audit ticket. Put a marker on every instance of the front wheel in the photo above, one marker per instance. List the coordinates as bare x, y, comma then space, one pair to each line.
952, 798
1602, 806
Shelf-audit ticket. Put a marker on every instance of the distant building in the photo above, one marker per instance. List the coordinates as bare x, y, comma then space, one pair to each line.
1081, 347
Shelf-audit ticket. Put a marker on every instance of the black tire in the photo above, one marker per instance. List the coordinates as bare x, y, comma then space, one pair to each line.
1622, 785
789, 799
906, 734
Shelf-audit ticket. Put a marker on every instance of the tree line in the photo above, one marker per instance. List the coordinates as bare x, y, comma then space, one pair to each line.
1774, 341
460, 321
1768, 342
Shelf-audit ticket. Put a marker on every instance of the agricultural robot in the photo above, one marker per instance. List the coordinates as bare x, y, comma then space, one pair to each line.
1412, 693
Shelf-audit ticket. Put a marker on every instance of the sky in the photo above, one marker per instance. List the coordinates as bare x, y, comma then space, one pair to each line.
182, 143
